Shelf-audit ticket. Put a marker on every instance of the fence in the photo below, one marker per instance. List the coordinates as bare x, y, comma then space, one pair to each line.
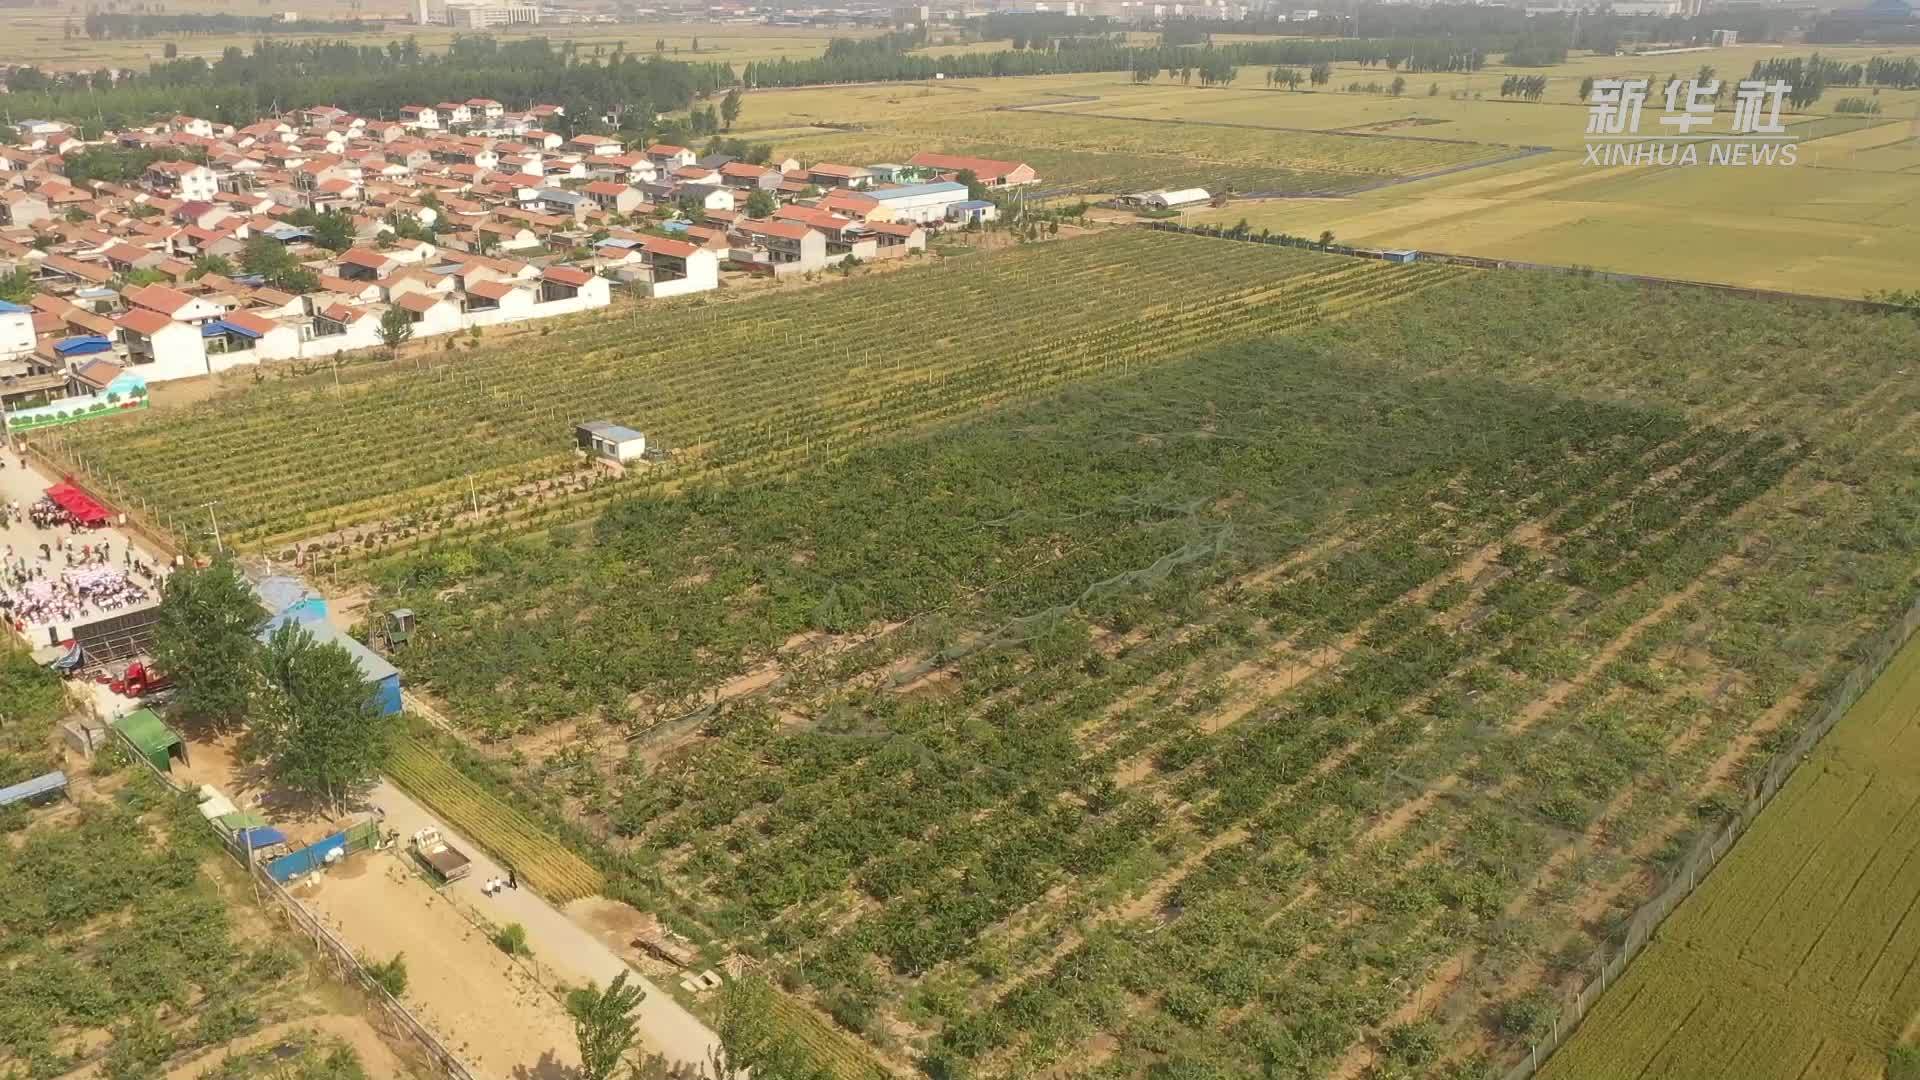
314, 856
1610, 962
338, 956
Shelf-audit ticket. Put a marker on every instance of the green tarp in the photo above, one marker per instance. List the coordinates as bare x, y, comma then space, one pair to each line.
150, 735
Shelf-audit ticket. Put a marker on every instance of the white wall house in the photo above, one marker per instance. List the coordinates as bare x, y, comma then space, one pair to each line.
185, 179
158, 348
16, 330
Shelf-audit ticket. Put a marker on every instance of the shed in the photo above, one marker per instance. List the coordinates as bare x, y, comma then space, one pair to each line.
1400, 256
373, 667
43, 788
151, 738
973, 210
608, 440
84, 736
1167, 200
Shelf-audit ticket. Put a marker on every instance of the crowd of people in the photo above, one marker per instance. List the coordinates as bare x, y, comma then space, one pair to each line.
69, 577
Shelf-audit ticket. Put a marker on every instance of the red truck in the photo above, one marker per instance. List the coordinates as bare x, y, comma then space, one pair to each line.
141, 680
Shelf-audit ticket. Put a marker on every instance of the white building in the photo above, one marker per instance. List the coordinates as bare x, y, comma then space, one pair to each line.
185, 179
16, 330
1170, 200
922, 204
160, 349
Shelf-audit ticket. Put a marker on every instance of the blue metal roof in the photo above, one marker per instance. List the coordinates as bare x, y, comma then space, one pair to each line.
82, 345
222, 326
259, 836
914, 191
45, 784
973, 204
373, 666
12, 309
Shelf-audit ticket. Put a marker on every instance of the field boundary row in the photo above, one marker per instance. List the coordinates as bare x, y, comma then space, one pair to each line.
1687, 875
336, 953
1481, 262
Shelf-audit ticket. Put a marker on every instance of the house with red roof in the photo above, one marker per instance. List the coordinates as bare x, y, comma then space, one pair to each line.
991, 172
159, 348
784, 247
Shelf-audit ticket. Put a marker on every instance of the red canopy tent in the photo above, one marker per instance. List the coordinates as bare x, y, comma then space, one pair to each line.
78, 503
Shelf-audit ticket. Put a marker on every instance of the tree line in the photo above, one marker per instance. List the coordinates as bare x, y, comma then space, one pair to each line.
1895, 73
100, 25
244, 85
1084, 55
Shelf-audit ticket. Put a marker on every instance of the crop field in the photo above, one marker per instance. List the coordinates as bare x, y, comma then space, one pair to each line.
1839, 223
1304, 704
1799, 956
560, 875
812, 375
1102, 154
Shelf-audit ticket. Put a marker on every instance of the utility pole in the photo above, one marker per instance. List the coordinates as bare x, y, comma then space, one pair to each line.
217, 545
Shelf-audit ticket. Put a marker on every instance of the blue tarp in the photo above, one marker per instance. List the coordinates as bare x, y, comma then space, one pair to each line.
83, 345
307, 859
7, 308
39, 787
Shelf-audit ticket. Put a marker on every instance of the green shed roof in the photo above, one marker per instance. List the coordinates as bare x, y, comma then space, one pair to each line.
147, 731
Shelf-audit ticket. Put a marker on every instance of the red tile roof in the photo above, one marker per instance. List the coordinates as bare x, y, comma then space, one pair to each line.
419, 303
159, 298
491, 290
372, 260
565, 275
143, 321
247, 320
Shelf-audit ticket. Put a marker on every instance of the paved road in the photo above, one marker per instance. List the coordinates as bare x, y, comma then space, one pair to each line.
572, 952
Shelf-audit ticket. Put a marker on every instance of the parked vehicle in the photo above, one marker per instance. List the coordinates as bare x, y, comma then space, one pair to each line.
445, 860
141, 680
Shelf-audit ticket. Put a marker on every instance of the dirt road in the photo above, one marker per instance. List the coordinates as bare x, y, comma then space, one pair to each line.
483, 1006
570, 951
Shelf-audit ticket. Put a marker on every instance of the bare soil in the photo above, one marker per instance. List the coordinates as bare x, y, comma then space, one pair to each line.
481, 1004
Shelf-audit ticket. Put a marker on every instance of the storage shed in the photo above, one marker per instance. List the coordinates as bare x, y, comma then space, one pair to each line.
373, 667
1168, 200
609, 441
151, 738
43, 788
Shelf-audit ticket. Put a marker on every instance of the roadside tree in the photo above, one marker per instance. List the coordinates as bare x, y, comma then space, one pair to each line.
205, 640
603, 1023
314, 720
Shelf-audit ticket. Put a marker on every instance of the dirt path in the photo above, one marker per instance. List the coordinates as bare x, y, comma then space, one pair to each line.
485, 1008
565, 951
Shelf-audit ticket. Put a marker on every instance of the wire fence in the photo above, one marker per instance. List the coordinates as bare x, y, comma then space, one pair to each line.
1610, 961
386, 1012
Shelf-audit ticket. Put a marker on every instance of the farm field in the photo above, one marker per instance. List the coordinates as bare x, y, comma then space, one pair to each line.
861, 362
1315, 702
1306, 695
1170, 675
129, 945
1838, 223
38, 36
1797, 956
